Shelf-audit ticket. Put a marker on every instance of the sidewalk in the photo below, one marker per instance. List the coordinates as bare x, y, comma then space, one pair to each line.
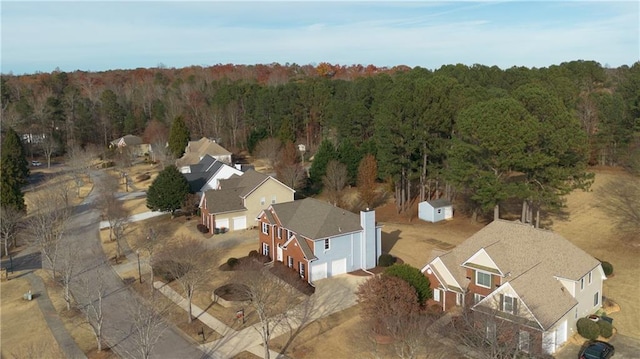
136, 217
68, 346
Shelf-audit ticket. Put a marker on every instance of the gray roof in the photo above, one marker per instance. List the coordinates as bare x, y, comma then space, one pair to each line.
244, 184
315, 219
531, 258
202, 172
128, 140
223, 201
439, 203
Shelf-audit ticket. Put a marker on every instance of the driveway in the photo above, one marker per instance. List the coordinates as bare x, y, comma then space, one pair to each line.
93, 267
626, 348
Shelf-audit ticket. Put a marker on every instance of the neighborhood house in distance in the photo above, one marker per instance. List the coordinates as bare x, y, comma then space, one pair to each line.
319, 240
196, 150
521, 274
207, 173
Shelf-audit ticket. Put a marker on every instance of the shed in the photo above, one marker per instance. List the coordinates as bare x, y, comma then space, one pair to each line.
435, 211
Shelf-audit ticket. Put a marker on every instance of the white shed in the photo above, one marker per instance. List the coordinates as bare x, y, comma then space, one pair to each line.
435, 211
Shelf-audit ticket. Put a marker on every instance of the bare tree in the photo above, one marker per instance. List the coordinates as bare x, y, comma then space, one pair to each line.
10, 224
410, 334
188, 261
49, 146
367, 174
293, 175
270, 297
150, 244
622, 198
334, 181
95, 291
68, 263
79, 161
269, 149
147, 325
47, 224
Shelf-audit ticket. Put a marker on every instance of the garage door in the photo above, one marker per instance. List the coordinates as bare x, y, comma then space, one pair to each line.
561, 334
338, 266
220, 223
318, 271
239, 223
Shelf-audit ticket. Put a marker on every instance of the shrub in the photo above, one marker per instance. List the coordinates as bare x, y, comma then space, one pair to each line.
231, 262
253, 254
607, 268
606, 329
414, 277
386, 260
588, 329
202, 228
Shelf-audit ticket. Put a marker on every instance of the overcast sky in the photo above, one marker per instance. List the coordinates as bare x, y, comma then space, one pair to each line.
96, 36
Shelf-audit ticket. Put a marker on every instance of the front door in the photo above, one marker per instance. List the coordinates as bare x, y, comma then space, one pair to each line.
279, 253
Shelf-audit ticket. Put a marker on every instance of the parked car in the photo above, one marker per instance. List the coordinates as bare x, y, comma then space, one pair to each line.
596, 349
36, 163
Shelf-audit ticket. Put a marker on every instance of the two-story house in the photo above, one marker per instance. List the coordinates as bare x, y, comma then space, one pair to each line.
196, 150
207, 173
521, 274
239, 199
319, 240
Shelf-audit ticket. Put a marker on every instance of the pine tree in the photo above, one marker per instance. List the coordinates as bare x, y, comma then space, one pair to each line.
168, 191
178, 137
14, 171
326, 153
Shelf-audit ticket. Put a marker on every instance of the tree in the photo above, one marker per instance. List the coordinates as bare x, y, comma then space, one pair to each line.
289, 170
79, 161
188, 261
10, 224
168, 191
94, 291
384, 299
326, 152
621, 198
147, 325
351, 156
156, 134
414, 278
270, 297
269, 150
367, 174
178, 137
68, 264
15, 170
334, 181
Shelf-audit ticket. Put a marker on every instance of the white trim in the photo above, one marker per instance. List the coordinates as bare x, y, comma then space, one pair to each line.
476, 279
481, 251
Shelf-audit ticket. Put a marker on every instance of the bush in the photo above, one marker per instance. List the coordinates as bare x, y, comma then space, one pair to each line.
588, 329
606, 329
232, 262
414, 277
607, 268
386, 260
202, 228
253, 254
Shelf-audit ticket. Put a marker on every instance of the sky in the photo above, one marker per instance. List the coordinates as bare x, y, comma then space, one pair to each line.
106, 35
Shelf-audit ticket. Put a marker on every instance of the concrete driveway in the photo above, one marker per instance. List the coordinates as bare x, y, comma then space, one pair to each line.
626, 348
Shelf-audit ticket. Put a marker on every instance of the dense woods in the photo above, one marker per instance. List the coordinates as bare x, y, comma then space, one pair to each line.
478, 132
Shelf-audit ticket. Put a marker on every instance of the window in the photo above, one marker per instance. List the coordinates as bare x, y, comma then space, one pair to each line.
273, 200
326, 244
289, 234
523, 341
590, 277
477, 298
262, 201
582, 283
265, 228
490, 331
279, 232
596, 299
483, 279
290, 261
265, 249
459, 299
508, 304
439, 210
301, 268
436, 295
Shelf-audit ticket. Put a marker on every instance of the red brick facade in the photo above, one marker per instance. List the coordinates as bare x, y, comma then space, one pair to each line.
277, 236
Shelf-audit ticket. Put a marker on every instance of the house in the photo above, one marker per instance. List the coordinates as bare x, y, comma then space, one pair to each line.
207, 173
435, 211
239, 199
131, 143
520, 274
196, 150
319, 240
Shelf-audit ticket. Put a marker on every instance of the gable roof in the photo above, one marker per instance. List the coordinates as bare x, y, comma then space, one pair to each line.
127, 140
439, 203
531, 259
219, 201
202, 172
247, 182
196, 150
315, 219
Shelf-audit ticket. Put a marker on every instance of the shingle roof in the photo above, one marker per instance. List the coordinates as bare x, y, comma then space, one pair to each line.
531, 258
438, 203
223, 201
196, 150
127, 140
202, 172
244, 184
315, 219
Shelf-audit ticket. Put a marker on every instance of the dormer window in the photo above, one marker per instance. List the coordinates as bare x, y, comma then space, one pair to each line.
483, 279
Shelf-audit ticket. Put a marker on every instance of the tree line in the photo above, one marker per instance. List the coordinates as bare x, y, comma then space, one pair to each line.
479, 132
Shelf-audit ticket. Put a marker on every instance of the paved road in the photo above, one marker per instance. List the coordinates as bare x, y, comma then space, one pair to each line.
626, 348
83, 236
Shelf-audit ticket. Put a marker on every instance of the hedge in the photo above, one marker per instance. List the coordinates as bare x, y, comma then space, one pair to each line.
588, 329
607, 268
386, 260
606, 329
414, 277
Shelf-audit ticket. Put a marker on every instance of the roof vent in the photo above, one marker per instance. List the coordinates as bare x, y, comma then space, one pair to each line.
340, 229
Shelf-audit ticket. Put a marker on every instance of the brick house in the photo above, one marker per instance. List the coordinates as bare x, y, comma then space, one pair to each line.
319, 240
521, 274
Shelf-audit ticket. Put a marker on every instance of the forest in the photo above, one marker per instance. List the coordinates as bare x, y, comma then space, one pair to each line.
478, 133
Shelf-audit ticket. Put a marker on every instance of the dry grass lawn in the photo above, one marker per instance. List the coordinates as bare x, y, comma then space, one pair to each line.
23, 329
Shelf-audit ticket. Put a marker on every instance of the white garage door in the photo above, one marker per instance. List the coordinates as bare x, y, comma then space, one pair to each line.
561, 334
318, 271
338, 267
239, 223
222, 223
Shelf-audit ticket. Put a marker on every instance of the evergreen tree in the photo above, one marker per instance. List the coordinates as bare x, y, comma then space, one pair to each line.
168, 191
178, 137
350, 155
326, 153
14, 171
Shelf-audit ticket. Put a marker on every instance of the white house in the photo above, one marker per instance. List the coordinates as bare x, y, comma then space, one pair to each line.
207, 174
